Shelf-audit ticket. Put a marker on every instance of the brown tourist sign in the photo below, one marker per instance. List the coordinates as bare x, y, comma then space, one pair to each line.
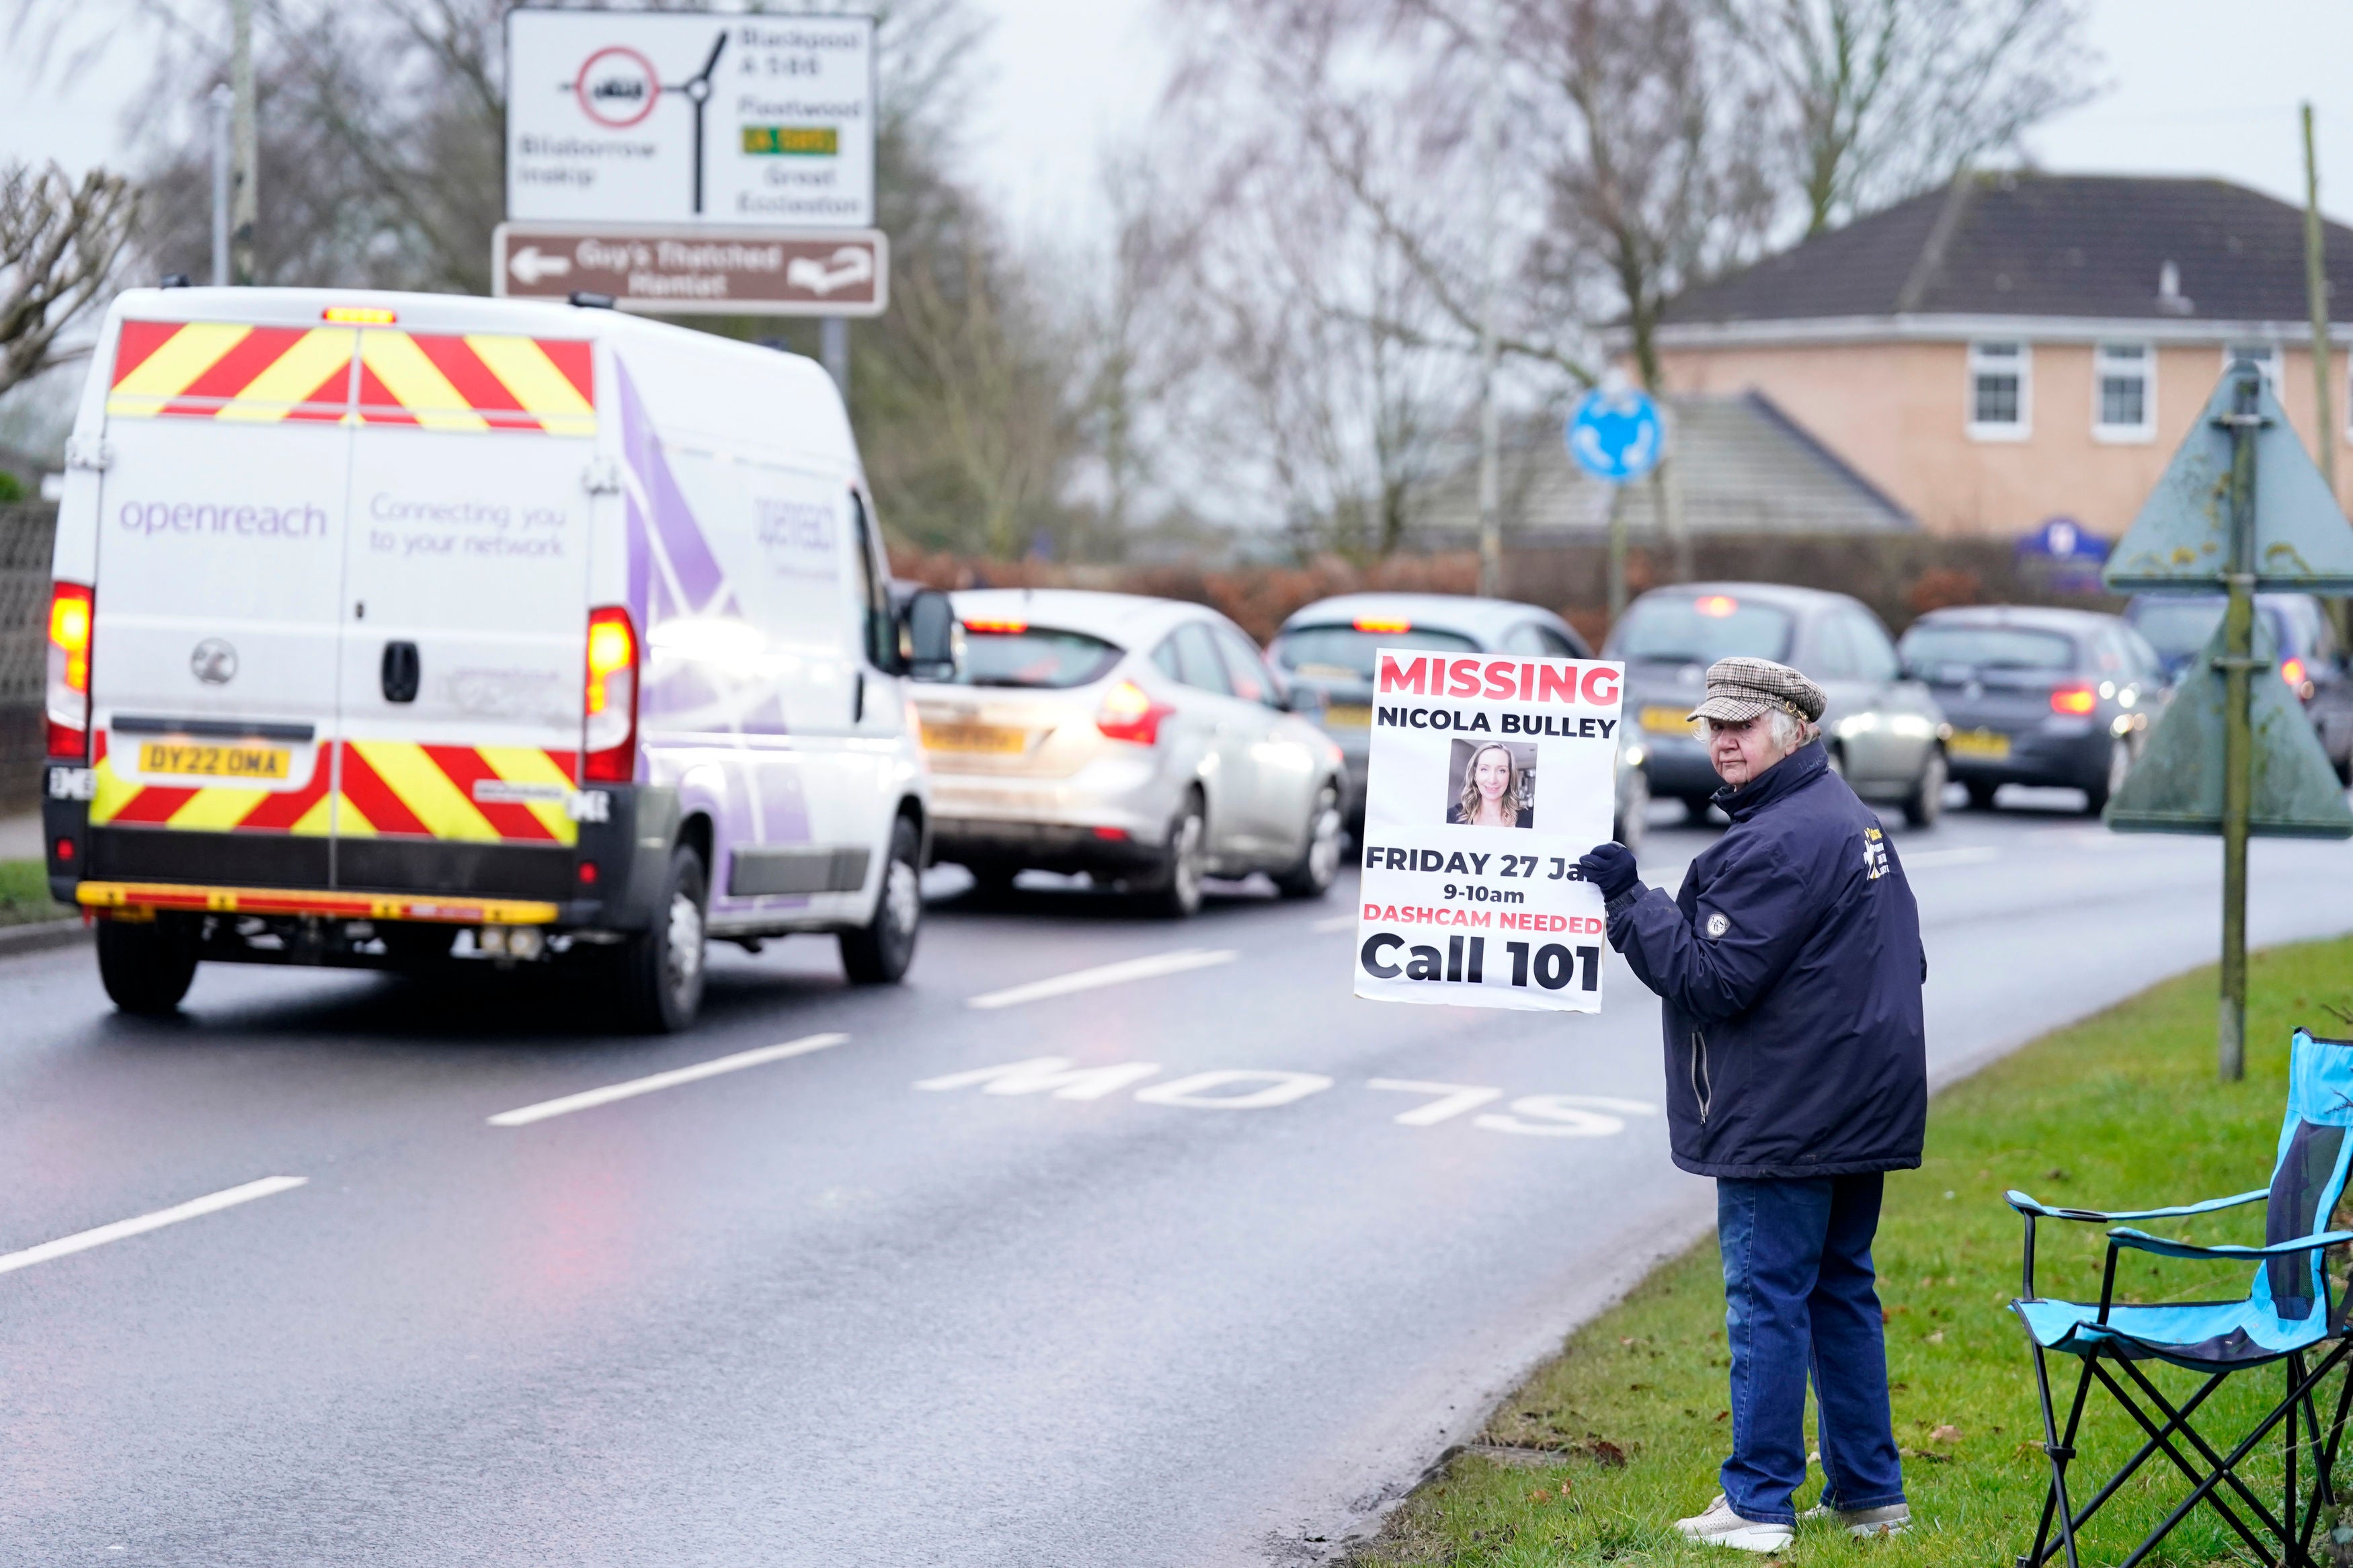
674, 270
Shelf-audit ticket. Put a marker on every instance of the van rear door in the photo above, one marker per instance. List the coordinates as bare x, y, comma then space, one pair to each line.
464, 636
219, 558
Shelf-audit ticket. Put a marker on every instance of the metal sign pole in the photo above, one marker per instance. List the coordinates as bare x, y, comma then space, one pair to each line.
1617, 552
2237, 665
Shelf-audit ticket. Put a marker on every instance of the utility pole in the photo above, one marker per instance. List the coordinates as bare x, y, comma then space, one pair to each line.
833, 352
222, 103
1491, 155
245, 209
2324, 362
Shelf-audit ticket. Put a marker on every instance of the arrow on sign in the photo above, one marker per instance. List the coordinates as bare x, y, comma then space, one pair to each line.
851, 265
529, 265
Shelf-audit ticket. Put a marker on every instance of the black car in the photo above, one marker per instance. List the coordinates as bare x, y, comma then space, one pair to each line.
2037, 696
1882, 729
2311, 659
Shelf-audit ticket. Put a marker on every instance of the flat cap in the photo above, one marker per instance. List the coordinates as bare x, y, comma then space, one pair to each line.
1740, 689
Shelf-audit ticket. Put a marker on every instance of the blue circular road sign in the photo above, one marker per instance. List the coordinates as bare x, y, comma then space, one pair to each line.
1616, 435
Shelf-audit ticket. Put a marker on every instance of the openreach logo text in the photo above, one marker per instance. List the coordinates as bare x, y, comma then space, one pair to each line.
153, 517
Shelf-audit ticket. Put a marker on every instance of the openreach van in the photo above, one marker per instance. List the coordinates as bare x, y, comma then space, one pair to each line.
395, 630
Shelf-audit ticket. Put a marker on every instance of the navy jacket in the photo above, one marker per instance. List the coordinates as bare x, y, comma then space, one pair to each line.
1790, 965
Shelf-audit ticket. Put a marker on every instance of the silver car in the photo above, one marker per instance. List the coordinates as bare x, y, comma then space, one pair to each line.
1144, 741
1327, 646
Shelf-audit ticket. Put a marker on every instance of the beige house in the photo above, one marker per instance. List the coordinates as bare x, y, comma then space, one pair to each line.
2021, 346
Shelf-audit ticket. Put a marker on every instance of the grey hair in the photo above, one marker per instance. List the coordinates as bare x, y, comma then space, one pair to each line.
1789, 730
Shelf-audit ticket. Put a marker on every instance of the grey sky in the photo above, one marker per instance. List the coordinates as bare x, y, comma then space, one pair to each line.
2195, 89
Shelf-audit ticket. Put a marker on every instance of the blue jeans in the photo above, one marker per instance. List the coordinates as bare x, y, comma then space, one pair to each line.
1799, 1299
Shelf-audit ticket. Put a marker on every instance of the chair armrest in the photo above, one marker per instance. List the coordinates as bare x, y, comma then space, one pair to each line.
2140, 1241
2026, 1205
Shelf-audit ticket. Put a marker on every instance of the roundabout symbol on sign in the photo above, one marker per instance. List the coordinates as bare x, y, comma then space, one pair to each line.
1616, 434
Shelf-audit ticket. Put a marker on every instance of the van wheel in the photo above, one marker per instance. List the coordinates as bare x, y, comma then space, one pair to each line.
1311, 876
662, 969
147, 965
878, 953
1926, 802
1173, 888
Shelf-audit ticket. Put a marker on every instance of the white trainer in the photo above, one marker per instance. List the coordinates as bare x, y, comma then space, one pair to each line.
1719, 1526
1863, 1523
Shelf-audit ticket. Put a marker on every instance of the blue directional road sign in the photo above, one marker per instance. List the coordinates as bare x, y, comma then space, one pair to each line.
1616, 435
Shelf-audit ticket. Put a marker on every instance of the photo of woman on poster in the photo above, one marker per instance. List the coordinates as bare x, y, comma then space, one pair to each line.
1492, 792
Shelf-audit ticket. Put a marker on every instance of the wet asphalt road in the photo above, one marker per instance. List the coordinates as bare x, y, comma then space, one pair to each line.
810, 1313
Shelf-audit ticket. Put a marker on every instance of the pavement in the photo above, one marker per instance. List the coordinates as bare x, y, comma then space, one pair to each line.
854, 1300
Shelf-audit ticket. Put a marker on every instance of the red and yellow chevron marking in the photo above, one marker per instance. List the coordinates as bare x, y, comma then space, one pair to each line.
388, 788
151, 896
475, 382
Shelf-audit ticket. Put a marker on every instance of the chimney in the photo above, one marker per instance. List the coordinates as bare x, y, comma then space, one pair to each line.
2171, 299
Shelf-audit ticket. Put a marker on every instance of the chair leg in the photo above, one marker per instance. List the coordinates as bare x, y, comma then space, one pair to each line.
2152, 1445
2160, 1439
2059, 1453
2324, 1469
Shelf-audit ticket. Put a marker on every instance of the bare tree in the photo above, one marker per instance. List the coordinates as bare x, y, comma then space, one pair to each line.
59, 241
1876, 99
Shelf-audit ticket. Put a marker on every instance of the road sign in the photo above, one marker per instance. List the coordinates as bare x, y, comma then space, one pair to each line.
1616, 434
679, 272
675, 117
2240, 506
2181, 539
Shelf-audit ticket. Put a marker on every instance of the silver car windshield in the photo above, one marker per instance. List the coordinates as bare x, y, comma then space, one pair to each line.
1702, 629
1988, 647
1343, 653
1037, 657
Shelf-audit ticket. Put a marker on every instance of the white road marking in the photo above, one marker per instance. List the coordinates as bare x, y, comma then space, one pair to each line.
1970, 855
670, 1079
1281, 1088
1118, 973
1560, 1116
1336, 922
1044, 1075
1454, 1098
82, 1241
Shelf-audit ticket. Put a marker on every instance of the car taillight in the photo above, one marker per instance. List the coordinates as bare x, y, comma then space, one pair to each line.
610, 745
2078, 699
2293, 672
1129, 713
72, 609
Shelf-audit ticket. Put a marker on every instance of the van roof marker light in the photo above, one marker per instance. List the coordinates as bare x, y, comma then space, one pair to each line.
359, 315
997, 628
1369, 624
1716, 605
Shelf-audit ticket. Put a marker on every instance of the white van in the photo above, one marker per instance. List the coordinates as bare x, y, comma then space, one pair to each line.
390, 629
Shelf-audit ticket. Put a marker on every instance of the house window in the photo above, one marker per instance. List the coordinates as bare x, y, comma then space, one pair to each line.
2123, 393
2000, 391
2266, 357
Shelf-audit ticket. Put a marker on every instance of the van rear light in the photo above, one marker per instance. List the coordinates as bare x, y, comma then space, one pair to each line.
2078, 699
1129, 713
72, 607
610, 745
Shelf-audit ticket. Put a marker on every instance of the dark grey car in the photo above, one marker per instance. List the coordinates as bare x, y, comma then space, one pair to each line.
2037, 696
1884, 732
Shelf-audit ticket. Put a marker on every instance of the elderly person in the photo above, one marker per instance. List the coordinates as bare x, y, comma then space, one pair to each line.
1790, 968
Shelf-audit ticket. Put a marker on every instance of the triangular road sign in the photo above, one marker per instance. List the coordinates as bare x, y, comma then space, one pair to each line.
2176, 785
2181, 539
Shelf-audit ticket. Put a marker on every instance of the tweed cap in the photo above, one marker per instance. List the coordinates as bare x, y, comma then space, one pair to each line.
1740, 689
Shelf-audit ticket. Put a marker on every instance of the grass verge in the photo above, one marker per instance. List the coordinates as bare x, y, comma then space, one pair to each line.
24, 894
1592, 1460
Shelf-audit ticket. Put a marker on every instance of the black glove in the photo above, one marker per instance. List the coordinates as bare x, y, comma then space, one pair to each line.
1609, 866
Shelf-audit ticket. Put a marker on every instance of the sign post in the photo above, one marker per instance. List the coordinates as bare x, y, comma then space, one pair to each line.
694, 162
1488, 776
1617, 435
2240, 507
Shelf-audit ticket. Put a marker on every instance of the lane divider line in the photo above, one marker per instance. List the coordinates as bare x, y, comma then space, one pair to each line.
1118, 973
82, 1241
588, 1098
1334, 923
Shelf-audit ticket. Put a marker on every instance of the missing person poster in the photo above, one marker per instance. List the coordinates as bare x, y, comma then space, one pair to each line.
1488, 776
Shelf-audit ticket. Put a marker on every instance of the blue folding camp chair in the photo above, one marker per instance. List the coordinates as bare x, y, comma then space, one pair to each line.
2287, 1315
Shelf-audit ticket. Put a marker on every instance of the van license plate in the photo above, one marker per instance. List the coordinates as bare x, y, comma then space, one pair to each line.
1348, 716
189, 760
1980, 745
996, 738
1667, 721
